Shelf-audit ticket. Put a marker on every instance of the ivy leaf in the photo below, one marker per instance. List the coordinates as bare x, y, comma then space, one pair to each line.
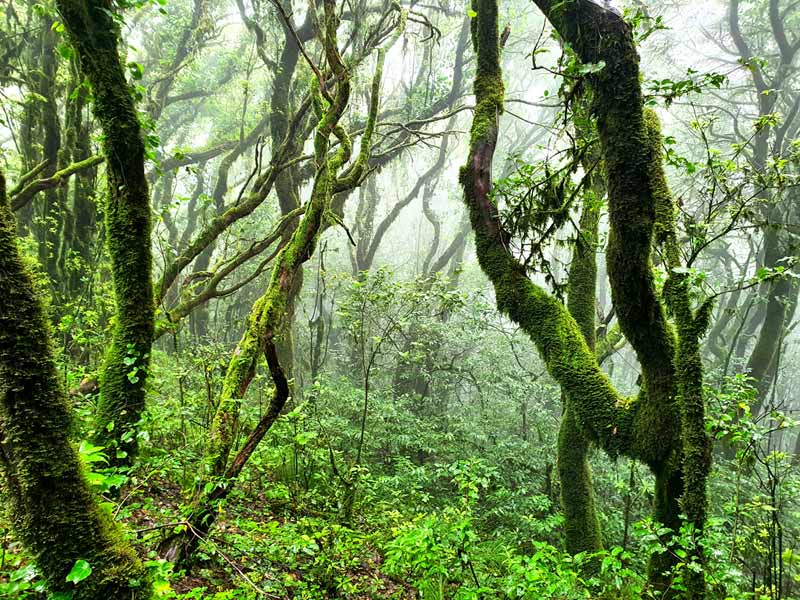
588, 68
80, 571
66, 51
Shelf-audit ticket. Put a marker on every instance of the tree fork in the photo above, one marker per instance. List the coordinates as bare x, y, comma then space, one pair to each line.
649, 427
269, 322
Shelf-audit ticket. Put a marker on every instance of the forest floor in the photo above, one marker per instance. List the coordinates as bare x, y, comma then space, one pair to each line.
257, 550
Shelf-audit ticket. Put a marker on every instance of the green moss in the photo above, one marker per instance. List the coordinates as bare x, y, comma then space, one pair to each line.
600, 411
598, 35
581, 527
653, 427
270, 317
691, 327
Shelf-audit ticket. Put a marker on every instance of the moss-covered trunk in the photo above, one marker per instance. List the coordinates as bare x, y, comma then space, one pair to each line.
661, 427
581, 527
600, 36
53, 511
269, 324
94, 32
691, 325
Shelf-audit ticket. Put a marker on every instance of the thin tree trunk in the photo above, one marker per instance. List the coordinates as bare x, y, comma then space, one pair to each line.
268, 323
581, 527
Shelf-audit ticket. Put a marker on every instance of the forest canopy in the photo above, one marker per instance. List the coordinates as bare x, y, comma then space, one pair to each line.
372, 299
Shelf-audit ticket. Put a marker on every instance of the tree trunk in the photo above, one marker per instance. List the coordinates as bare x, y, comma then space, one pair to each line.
648, 428
53, 511
269, 322
95, 36
581, 527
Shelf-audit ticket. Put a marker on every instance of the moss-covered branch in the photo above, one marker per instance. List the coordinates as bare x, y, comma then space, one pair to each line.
21, 197
270, 321
601, 412
211, 286
600, 36
259, 192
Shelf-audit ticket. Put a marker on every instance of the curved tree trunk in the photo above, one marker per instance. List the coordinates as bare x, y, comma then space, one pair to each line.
269, 323
659, 426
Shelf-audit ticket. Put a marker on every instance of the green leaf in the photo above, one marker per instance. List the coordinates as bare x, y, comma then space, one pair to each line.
136, 70
66, 51
587, 68
80, 571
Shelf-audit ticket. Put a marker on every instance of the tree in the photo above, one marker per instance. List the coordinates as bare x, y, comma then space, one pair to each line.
54, 512
663, 427
270, 319
94, 32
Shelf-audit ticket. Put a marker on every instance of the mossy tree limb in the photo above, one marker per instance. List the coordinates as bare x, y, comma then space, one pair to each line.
691, 325
650, 428
21, 197
269, 322
53, 511
94, 33
582, 531
604, 415
600, 36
